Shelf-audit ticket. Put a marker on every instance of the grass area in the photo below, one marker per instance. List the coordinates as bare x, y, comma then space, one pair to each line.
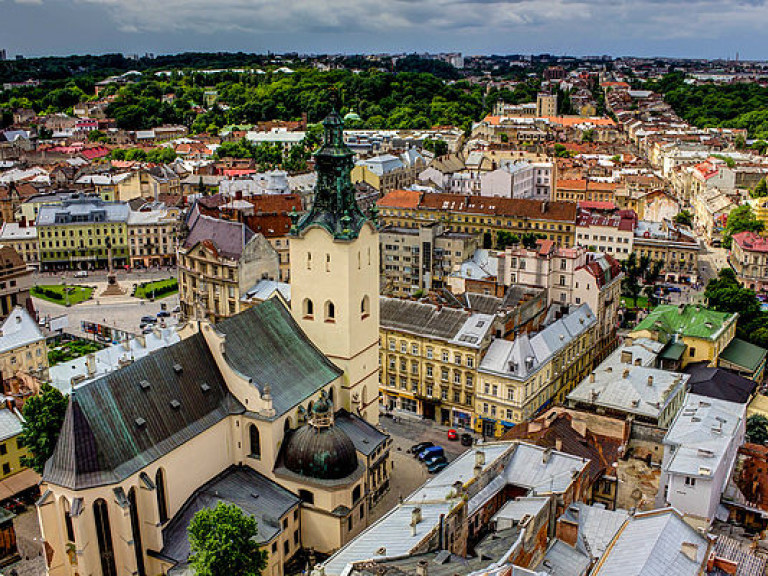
66, 351
62, 294
157, 289
642, 302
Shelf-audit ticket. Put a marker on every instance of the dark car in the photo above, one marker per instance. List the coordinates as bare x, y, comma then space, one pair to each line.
466, 439
431, 452
163, 314
436, 467
148, 319
434, 459
416, 448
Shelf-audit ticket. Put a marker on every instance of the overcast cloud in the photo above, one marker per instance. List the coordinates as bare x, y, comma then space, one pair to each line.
692, 28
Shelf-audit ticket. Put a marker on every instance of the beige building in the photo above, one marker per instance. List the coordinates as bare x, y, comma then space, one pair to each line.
152, 236
218, 263
749, 258
15, 281
22, 346
429, 357
269, 410
421, 259
673, 244
517, 379
22, 237
388, 172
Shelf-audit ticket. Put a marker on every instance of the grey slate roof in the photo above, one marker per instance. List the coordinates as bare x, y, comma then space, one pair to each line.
253, 493
564, 560
19, 329
114, 426
597, 526
264, 343
365, 437
228, 236
650, 544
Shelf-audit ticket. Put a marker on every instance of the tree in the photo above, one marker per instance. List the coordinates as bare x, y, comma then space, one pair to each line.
504, 239
223, 543
684, 217
757, 428
760, 190
741, 219
43, 418
97, 136
437, 146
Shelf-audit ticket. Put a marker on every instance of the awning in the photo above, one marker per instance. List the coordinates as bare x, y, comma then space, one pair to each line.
18, 483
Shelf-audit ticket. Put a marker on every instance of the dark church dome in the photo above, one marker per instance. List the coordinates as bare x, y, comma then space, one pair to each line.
320, 449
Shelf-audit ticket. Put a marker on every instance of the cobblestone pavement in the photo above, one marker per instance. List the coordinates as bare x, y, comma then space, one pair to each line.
409, 473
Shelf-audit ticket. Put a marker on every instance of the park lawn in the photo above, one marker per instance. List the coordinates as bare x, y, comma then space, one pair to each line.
157, 289
77, 294
642, 302
67, 351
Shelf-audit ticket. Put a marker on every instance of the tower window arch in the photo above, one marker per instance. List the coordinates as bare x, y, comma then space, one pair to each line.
162, 503
104, 538
65, 509
309, 260
254, 439
308, 308
330, 311
365, 307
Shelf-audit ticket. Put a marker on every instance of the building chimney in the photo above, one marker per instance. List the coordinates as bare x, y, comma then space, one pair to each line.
558, 444
689, 550
626, 357
479, 458
626, 373
90, 364
415, 516
591, 376
421, 568
650, 380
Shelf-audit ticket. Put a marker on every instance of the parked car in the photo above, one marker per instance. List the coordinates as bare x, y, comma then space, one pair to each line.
434, 459
163, 314
81, 274
176, 310
453, 435
146, 330
436, 467
673, 289
466, 439
431, 452
148, 319
416, 448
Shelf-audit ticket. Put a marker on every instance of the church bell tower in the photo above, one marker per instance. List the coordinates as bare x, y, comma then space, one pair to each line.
334, 252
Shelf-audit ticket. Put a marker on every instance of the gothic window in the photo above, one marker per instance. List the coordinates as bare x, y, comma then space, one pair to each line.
162, 504
255, 441
104, 537
330, 311
365, 307
308, 308
136, 532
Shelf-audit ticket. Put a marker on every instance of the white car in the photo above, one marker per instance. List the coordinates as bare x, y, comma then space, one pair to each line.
81, 274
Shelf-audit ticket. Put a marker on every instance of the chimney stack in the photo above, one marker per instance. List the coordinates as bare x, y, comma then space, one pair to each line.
626, 373
479, 458
422, 568
650, 380
689, 550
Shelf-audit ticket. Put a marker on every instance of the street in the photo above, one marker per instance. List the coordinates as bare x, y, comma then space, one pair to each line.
121, 312
711, 261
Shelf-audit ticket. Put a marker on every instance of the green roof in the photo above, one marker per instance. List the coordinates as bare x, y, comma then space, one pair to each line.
743, 354
673, 352
692, 321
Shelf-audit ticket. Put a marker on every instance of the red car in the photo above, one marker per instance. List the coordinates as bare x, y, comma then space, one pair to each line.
453, 435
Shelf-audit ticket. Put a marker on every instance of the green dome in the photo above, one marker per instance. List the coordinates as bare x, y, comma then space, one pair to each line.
352, 116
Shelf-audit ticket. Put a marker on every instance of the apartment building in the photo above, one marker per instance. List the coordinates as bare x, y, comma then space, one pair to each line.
749, 259
701, 333
429, 357
585, 190
517, 379
22, 346
612, 234
700, 450
218, 263
571, 276
78, 233
387, 172
152, 236
479, 215
673, 244
519, 179
15, 281
421, 259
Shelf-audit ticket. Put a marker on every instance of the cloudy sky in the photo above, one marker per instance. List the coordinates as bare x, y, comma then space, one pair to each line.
689, 28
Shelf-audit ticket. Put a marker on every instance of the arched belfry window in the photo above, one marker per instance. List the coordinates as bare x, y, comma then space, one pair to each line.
330, 311
254, 441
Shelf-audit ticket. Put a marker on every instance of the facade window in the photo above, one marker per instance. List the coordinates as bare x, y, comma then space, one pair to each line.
690, 481
330, 311
254, 441
136, 532
365, 307
403, 347
104, 537
429, 353
429, 371
470, 362
356, 494
306, 496
415, 349
445, 356
162, 504
457, 358
444, 375
308, 308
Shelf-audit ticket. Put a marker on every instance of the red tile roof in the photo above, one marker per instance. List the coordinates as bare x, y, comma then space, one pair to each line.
400, 199
751, 241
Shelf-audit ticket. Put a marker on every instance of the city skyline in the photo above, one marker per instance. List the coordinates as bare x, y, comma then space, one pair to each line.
61, 27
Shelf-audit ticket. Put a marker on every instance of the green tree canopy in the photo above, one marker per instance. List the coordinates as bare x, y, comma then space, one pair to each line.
741, 219
43, 418
760, 190
757, 428
223, 543
685, 218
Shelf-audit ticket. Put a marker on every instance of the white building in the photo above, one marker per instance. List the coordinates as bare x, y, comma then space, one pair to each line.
518, 180
700, 449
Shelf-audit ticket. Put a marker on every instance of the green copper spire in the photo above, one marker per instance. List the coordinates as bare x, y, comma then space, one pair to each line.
334, 207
